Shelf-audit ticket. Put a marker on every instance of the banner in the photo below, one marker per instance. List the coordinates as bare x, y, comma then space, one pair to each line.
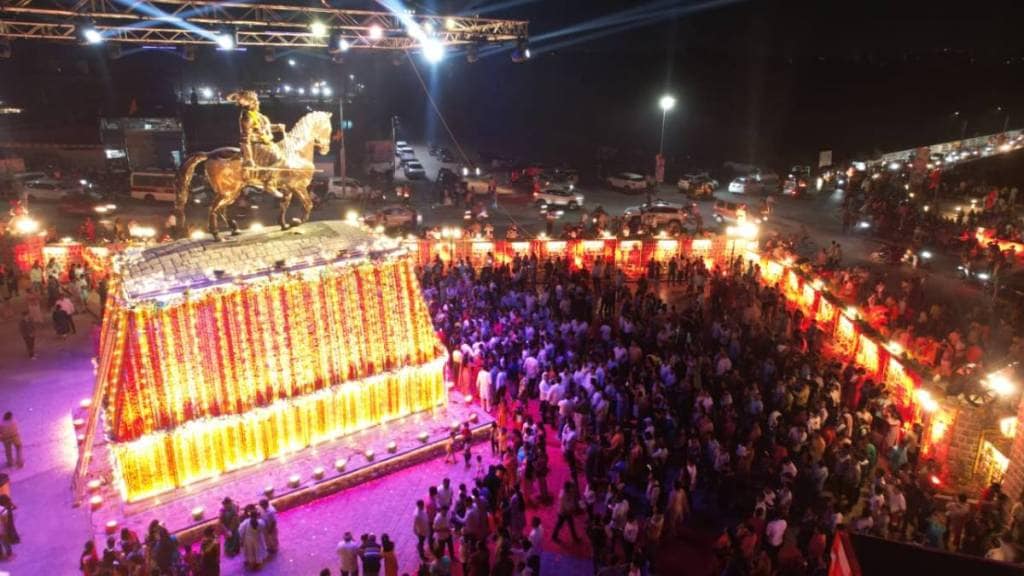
824, 158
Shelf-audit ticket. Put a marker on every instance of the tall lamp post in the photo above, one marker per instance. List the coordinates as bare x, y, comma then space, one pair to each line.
666, 103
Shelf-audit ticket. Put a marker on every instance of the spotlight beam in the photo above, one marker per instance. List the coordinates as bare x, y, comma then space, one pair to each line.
159, 15
620, 22
498, 7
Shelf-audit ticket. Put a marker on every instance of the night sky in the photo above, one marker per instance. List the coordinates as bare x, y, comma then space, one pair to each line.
769, 82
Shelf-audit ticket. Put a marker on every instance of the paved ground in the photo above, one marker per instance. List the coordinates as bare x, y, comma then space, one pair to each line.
41, 394
310, 534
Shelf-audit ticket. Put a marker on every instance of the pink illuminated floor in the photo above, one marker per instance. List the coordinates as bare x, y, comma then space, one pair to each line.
246, 486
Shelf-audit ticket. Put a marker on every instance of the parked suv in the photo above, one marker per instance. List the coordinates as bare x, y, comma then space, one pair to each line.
697, 185
661, 215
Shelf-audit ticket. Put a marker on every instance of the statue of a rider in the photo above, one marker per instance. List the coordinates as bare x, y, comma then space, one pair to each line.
256, 131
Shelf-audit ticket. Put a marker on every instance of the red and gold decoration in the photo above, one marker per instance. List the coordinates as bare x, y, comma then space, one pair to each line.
201, 383
631, 256
849, 338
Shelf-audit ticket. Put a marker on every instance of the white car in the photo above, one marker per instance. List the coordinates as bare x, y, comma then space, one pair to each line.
744, 185
414, 170
559, 196
49, 189
660, 215
345, 188
628, 181
394, 216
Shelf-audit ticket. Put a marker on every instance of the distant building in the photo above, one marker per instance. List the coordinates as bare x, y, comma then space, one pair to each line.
142, 144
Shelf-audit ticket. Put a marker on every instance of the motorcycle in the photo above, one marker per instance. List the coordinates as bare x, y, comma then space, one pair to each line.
887, 254
975, 272
918, 259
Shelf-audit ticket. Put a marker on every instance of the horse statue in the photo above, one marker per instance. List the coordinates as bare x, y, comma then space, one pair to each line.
290, 172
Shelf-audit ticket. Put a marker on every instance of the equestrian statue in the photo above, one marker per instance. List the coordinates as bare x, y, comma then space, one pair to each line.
281, 168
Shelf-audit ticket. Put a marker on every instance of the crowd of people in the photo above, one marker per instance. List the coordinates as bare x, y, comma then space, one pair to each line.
63, 293
251, 531
706, 398
688, 404
942, 335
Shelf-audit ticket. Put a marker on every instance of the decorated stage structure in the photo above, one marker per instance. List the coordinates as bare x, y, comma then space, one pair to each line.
218, 356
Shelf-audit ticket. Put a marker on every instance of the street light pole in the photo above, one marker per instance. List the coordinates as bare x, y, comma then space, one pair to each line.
342, 165
666, 103
661, 145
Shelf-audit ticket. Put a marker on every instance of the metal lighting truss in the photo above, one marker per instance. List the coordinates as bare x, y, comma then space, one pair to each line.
184, 22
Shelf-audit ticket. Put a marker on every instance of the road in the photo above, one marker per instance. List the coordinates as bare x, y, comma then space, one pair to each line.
818, 213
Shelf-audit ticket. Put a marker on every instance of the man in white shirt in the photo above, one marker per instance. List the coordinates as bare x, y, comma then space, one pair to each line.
545, 393
554, 397
348, 554
444, 494
536, 537
443, 532
421, 527
483, 385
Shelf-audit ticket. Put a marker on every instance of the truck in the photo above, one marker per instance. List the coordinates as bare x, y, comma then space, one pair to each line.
380, 157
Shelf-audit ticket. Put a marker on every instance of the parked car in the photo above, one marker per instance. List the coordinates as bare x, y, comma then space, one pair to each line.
48, 189
405, 157
628, 182
757, 183
729, 211
697, 185
394, 216
744, 185
86, 204
345, 188
661, 215
564, 196
794, 186
414, 170
447, 177
562, 176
